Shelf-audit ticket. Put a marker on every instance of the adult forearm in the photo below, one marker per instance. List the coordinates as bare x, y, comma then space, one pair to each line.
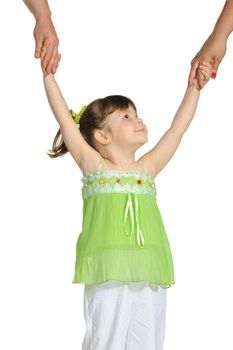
56, 100
186, 110
224, 24
39, 8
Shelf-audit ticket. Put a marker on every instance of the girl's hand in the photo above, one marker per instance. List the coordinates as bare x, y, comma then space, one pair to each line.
43, 69
206, 70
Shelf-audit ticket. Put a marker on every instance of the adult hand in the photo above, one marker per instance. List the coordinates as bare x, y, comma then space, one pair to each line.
47, 42
212, 52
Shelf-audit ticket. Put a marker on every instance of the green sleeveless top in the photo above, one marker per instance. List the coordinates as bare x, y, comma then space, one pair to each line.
123, 237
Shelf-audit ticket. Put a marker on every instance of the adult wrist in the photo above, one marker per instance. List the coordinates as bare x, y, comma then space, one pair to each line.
43, 16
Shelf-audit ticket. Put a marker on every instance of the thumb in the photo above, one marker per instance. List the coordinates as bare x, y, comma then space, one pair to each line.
38, 47
215, 66
193, 71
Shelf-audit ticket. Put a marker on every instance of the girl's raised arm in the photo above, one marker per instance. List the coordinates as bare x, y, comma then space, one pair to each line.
80, 150
162, 152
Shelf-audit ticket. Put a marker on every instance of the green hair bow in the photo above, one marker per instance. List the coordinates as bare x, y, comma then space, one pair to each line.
77, 116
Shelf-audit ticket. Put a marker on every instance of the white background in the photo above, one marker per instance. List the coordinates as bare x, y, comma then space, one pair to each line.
142, 50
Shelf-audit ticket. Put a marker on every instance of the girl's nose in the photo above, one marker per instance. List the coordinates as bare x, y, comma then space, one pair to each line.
140, 121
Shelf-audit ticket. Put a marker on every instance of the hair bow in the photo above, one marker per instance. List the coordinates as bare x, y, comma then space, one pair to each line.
77, 116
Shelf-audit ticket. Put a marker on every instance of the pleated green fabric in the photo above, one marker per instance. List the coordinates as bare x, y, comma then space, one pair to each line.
123, 237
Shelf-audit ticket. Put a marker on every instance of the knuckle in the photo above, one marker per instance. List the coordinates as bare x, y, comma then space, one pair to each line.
54, 40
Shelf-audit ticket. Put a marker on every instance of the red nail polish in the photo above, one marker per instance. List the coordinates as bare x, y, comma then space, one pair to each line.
213, 75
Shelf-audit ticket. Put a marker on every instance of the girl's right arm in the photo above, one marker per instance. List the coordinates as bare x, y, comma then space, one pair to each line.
80, 150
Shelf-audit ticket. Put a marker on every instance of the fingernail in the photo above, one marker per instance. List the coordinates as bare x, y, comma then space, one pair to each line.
213, 75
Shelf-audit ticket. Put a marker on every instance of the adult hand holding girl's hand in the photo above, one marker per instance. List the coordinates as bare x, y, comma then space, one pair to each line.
47, 43
206, 70
212, 51
45, 73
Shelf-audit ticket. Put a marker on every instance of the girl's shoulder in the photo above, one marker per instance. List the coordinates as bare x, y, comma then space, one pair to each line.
95, 161
91, 163
147, 165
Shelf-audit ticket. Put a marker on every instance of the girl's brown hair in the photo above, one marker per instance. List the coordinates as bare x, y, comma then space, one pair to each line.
94, 117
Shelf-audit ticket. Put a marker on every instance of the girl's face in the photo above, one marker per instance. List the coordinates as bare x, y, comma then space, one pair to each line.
127, 128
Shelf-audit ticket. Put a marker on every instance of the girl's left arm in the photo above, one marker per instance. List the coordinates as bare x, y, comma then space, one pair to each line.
186, 110
162, 152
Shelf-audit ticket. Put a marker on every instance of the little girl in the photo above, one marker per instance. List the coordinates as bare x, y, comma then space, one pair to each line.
123, 256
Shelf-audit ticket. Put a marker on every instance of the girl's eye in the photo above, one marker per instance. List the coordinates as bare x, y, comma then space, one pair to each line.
126, 115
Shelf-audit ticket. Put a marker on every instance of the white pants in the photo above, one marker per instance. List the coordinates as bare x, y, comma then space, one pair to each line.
124, 316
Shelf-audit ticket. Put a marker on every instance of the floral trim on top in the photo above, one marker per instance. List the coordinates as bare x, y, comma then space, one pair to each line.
104, 181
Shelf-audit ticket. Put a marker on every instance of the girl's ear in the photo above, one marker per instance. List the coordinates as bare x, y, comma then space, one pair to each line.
102, 137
